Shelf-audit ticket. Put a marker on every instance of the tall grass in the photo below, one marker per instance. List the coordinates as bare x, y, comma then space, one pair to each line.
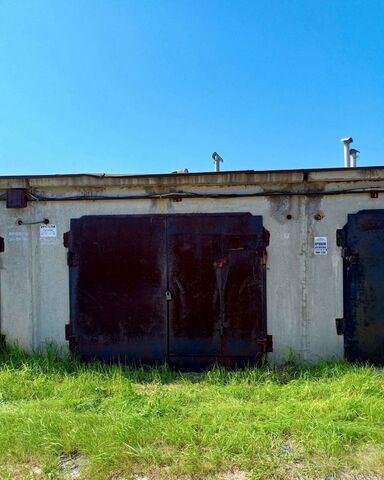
118, 422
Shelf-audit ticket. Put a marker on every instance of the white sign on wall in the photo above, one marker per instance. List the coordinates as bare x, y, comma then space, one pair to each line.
320, 245
48, 231
19, 236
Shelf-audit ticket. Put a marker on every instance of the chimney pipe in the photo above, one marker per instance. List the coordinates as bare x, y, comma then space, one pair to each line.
216, 160
346, 142
353, 155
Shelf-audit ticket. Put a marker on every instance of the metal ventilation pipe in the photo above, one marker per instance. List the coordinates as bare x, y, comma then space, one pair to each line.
347, 160
216, 160
353, 155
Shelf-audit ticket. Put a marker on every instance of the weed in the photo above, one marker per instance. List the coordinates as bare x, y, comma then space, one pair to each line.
275, 423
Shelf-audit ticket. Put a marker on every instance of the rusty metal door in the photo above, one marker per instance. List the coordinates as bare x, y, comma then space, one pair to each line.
187, 289
117, 285
216, 275
362, 240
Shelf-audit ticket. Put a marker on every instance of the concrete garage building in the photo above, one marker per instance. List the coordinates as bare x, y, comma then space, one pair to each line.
196, 268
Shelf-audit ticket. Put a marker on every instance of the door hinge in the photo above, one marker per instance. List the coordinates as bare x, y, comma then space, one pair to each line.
71, 338
2, 247
265, 343
67, 239
340, 237
73, 259
264, 258
340, 326
266, 236
68, 331
2, 343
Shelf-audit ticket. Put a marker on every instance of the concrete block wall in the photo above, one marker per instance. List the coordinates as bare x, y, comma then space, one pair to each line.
304, 291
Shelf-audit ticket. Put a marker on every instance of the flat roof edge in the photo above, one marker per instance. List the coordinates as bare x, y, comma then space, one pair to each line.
236, 177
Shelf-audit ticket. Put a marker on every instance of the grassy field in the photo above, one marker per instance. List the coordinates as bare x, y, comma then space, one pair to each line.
60, 418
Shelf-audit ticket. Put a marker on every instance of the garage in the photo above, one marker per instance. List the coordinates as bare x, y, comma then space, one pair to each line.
362, 240
187, 289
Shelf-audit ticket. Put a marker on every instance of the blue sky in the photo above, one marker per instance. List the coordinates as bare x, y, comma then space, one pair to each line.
152, 86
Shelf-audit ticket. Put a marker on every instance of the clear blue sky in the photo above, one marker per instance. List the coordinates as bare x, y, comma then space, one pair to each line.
151, 86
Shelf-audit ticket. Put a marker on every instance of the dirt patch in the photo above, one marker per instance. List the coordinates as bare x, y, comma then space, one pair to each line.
235, 474
71, 465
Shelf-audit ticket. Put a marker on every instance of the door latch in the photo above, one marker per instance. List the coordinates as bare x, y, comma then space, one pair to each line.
168, 296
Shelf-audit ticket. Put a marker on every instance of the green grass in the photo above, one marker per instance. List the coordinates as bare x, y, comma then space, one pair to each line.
59, 417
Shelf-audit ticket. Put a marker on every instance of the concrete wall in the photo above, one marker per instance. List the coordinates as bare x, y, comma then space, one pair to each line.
304, 291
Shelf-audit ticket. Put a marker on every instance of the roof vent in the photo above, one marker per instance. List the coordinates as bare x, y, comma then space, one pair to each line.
216, 160
353, 154
346, 142
350, 154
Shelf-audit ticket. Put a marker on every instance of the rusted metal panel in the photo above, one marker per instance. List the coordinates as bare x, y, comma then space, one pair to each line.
117, 287
189, 289
193, 312
363, 252
217, 276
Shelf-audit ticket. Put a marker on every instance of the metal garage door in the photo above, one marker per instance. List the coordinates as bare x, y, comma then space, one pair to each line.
117, 283
187, 289
362, 240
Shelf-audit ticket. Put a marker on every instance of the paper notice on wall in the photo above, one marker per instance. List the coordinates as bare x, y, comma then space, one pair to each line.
48, 231
320, 245
19, 236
